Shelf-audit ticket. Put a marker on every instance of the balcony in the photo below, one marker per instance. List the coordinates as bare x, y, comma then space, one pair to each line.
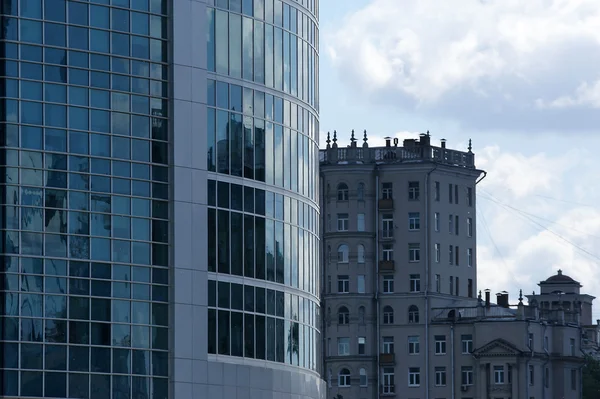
386, 235
386, 204
387, 359
386, 266
387, 390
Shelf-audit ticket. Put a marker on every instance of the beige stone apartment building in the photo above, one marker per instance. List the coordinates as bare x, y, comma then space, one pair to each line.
402, 314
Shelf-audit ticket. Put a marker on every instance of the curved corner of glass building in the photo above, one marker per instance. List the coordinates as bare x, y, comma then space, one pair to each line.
246, 208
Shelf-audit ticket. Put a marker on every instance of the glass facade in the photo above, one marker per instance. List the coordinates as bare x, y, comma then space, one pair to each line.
84, 190
262, 158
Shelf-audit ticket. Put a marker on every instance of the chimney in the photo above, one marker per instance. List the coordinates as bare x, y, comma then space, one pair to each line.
443, 141
424, 139
487, 298
388, 141
502, 299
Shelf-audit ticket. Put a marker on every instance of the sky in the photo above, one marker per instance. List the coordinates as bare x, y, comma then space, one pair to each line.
520, 79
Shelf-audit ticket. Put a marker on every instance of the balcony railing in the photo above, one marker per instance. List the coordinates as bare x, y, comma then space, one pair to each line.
386, 266
387, 358
386, 204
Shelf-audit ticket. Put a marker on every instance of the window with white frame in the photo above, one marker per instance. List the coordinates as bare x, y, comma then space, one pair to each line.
414, 376
470, 257
440, 376
343, 346
386, 192
436, 221
342, 222
413, 314
360, 284
498, 374
436, 191
388, 284
413, 191
360, 192
388, 380
343, 253
450, 224
438, 252
360, 253
342, 192
343, 284
343, 315
388, 315
415, 282
414, 221
413, 345
362, 344
388, 252
363, 377
466, 343
387, 226
414, 252
360, 222
388, 344
438, 283
440, 344
469, 227
466, 375
344, 378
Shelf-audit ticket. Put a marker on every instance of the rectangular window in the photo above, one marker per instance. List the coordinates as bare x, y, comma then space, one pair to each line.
456, 225
499, 374
546, 342
546, 377
414, 221
456, 193
470, 257
574, 379
466, 343
440, 344
360, 284
343, 346
572, 346
386, 192
413, 190
451, 224
387, 226
362, 343
438, 282
469, 196
438, 252
440, 376
531, 374
388, 284
329, 284
469, 227
413, 345
388, 345
343, 284
414, 377
360, 253
456, 255
457, 287
530, 341
470, 288
388, 252
466, 375
360, 222
415, 283
451, 255
414, 252
450, 193
388, 380
451, 284
437, 191
342, 222
436, 221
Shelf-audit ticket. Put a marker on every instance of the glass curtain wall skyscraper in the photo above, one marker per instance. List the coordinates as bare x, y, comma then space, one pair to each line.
158, 201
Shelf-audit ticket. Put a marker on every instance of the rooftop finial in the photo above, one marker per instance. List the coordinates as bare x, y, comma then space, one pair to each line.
479, 296
334, 137
352, 139
470, 147
428, 132
559, 272
520, 297
365, 136
328, 141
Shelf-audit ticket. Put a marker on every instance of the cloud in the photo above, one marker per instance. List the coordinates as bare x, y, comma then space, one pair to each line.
486, 63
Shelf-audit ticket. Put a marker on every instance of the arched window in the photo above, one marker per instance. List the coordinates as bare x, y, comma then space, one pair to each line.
361, 314
363, 377
344, 378
413, 314
360, 191
342, 192
388, 315
343, 315
343, 253
360, 253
